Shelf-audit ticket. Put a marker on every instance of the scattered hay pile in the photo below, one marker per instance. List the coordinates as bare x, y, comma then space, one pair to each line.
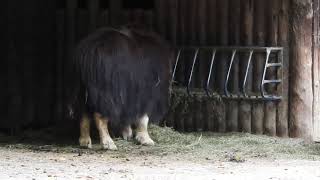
242, 146
236, 147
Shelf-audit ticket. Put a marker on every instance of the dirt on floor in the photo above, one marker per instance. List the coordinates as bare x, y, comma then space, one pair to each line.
175, 156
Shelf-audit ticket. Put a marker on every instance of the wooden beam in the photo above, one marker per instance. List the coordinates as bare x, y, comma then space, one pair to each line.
94, 12
247, 39
301, 95
115, 15
283, 106
260, 38
272, 29
222, 63
316, 77
232, 109
211, 40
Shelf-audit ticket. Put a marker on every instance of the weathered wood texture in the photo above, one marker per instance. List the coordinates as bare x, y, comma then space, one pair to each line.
316, 71
283, 38
247, 14
272, 31
260, 40
234, 39
301, 95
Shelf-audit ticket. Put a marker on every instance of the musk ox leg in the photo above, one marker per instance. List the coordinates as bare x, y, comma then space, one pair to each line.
142, 135
127, 133
102, 126
84, 139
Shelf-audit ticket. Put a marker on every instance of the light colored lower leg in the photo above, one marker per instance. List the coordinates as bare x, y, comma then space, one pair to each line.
127, 133
142, 135
84, 139
102, 126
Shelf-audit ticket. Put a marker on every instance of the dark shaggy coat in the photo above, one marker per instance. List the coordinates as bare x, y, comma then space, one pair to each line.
121, 74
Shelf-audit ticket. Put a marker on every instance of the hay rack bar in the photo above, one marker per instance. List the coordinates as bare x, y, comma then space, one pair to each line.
243, 93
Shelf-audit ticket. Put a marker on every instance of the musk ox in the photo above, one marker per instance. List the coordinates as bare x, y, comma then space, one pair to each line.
120, 76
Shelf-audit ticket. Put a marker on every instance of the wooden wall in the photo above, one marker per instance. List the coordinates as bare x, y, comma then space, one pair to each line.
40, 36
230, 23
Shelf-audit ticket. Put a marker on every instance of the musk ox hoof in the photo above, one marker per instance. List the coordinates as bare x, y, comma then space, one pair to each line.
143, 138
127, 134
85, 142
127, 137
109, 145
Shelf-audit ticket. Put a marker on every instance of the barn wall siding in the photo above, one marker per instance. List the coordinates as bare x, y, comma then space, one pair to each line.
38, 49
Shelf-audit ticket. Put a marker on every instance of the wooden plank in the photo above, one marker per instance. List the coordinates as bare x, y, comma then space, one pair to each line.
3, 66
115, 9
316, 78
149, 19
59, 66
181, 71
173, 25
173, 21
212, 38
203, 62
247, 39
34, 53
83, 26
137, 16
283, 38
104, 18
31, 89
71, 24
223, 59
94, 11
160, 13
258, 63
70, 40
270, 107
301, 95
15, 20
234, 33
191, 40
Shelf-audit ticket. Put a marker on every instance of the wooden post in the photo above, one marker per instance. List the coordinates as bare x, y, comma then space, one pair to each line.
115, 9
4, 64
172, 26
161, 13
270, 107
70, 40
301, 94
32, 93
149, 19
173, 21
283, 38
70, 24
104, 18
247, 31
258, 63
44, 52
181, 71
316, 71
203, 65
14, 83
223, 58
94, 12
212, 38
191, 40
59, 70
234, 33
